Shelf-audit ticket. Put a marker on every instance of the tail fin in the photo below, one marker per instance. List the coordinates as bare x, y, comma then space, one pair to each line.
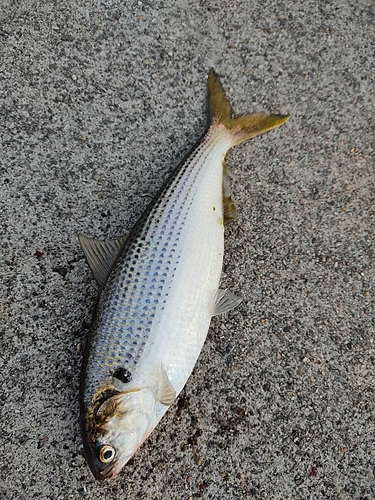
245, 126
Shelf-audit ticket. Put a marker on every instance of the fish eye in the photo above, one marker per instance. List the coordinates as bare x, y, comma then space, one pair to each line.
106, 453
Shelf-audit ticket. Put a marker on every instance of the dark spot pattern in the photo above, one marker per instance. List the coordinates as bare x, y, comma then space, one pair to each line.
141, 279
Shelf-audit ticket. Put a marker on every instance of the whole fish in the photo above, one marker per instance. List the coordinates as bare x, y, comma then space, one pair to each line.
159, 288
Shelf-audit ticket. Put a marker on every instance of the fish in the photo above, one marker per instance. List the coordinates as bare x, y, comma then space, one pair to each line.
158, 290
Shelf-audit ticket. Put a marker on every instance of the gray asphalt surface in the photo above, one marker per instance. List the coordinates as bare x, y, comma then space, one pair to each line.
98, 102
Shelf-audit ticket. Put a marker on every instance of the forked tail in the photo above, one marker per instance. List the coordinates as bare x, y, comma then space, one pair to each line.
243, 127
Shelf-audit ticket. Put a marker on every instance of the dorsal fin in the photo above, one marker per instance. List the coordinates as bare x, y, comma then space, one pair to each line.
101, 255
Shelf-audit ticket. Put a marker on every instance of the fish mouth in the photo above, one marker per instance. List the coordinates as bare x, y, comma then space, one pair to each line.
97, 468
103, 472
108, 473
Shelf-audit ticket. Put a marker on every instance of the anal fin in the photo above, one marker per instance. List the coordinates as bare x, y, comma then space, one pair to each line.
224, 301
101, 255
229, 209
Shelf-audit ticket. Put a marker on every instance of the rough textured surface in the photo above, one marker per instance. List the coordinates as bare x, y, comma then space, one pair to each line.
98, 102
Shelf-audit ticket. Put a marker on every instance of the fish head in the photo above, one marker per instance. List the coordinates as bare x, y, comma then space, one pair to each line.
113, 430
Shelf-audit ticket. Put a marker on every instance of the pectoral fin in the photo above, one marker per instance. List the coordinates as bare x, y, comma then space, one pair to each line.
224, 301
100, 255
166, 392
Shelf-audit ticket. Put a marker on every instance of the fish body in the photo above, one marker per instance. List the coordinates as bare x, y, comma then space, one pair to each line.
159, 288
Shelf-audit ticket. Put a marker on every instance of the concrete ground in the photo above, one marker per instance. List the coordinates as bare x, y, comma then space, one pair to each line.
98, 102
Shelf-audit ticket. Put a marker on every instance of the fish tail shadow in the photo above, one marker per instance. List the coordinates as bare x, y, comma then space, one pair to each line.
243, 127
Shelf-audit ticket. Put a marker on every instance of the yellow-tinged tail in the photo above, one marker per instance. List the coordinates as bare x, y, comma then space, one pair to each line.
245, 126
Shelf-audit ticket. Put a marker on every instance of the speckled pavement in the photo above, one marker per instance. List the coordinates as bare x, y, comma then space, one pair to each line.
98, 102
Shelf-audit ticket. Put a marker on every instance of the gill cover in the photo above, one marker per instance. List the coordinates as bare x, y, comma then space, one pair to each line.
115, 428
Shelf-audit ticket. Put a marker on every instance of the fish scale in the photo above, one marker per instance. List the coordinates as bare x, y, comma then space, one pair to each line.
159, 290
124, 299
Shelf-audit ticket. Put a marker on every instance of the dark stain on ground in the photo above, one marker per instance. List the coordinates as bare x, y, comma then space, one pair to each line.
192, 440
182, 404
